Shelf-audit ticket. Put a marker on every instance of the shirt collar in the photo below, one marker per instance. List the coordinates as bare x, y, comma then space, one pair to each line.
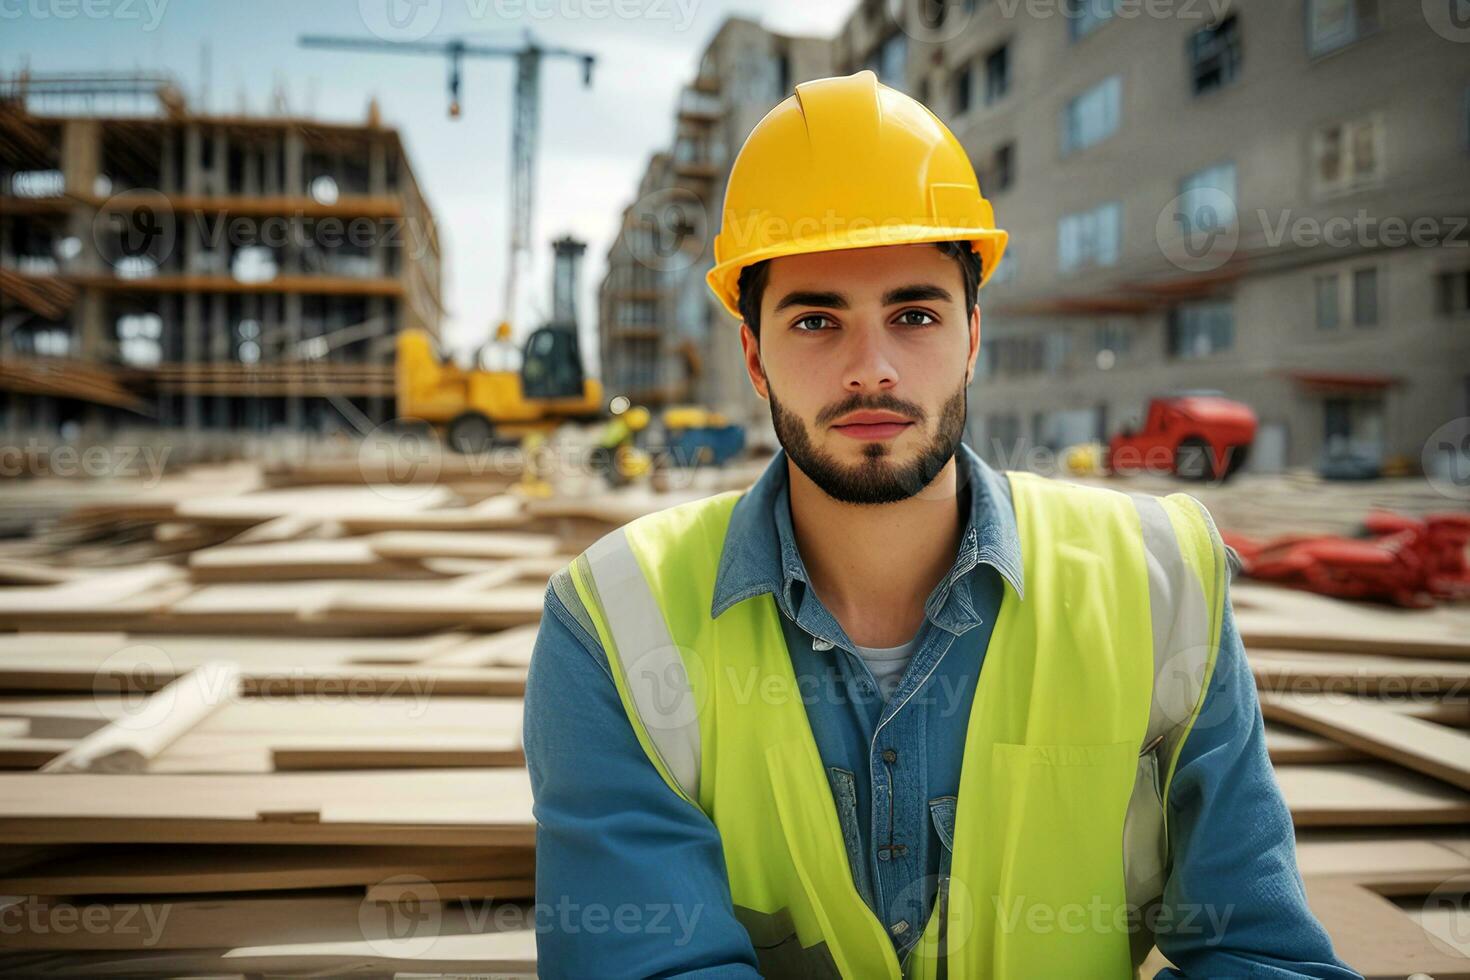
760, 554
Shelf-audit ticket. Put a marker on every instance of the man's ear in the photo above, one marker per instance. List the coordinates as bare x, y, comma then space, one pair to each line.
974, 343
751, 346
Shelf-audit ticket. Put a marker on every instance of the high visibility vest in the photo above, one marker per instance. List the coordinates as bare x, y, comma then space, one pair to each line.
1090, 685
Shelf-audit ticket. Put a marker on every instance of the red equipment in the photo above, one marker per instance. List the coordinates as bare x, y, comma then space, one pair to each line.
1400, 559
1194, 436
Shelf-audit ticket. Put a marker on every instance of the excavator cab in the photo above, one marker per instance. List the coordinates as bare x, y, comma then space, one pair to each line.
552, 364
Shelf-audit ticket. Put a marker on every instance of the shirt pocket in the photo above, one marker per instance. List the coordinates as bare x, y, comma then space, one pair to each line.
844, 795
941, 814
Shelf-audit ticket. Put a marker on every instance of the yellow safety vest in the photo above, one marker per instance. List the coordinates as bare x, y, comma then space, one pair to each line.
1090, 685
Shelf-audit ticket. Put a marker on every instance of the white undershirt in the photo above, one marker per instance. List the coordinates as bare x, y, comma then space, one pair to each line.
887, 664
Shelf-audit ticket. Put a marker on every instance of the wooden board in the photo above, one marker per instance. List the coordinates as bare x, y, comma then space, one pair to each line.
1288, 745
493, 514
1408, 862
439, 806
133, 869
1288, 619
507, 954
1375, 937
1349, 673
461, 544
329, 503
1368, 794
1423, 746
283, 560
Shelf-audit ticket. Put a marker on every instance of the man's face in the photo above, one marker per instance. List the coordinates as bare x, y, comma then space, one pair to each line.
881, 332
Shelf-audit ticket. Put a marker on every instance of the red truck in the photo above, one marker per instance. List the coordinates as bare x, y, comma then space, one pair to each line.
1193, 435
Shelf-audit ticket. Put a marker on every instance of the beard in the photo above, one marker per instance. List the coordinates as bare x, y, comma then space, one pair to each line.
876, 479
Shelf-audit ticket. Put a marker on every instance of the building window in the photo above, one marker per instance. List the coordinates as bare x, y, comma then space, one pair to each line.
997, 74
1327, 313
1453, 289
1090, 238
890, 61
1003, 171
1365, 297
1214, 55
1207, 199
960, 95
1086, 16
1349, 156
1008, 268
1092, 116
1334, 24
1201, 329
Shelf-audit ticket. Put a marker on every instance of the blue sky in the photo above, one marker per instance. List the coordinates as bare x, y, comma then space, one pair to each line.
594, 142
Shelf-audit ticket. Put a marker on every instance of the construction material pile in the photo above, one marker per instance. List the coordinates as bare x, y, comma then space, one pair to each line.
267, 720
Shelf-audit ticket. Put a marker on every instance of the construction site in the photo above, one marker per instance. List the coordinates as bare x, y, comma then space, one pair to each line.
274, 553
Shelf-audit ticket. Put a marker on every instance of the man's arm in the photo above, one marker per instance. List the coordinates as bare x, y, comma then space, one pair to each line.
630, 878
1234, 904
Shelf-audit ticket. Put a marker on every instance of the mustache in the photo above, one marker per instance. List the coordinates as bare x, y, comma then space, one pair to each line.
882, 403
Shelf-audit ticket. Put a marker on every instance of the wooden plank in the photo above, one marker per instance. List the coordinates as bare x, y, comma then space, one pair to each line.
1288, 619
328, 503
445, 806
1423, 746
1347, 673
462, 544
386, 752
1368, 794
134, 869
1288, 745
309, 559
1407, 863
500, 513
505, 648
509, 954
446, 891
1375, 937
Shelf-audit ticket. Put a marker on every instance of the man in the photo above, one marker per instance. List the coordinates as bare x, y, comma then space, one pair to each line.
891, 713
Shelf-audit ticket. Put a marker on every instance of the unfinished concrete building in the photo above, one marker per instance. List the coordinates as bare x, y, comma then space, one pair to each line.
182, 272
664, 337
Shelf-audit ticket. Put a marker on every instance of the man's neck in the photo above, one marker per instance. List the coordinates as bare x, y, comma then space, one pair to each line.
874, 566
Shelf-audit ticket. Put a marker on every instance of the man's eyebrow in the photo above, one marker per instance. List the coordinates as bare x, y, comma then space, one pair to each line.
835, 301
915, 293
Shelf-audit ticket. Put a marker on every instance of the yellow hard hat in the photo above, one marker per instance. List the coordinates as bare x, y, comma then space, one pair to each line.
637, 418
848, 162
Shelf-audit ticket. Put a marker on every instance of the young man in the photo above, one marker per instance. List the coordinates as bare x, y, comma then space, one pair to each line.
890, 712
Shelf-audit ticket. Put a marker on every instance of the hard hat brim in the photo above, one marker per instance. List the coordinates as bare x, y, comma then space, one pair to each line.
990, 243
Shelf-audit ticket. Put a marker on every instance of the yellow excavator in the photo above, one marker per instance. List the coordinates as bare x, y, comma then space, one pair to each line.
507, 393
496, 401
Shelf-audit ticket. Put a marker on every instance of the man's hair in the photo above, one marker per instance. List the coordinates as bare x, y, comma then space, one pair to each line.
753, 279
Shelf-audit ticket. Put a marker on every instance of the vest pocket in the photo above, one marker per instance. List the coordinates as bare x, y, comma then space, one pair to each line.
1060, 899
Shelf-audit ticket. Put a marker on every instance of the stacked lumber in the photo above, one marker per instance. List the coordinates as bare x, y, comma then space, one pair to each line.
267, 721
252, 725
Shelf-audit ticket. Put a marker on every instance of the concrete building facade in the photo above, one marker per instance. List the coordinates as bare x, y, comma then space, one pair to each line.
187, 271
664, 338
1259, 197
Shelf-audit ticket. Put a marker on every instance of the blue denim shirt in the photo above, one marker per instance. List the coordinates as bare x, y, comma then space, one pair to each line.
630, 879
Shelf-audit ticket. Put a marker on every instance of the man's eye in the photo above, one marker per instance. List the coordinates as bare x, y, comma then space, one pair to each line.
925, 320
816, 318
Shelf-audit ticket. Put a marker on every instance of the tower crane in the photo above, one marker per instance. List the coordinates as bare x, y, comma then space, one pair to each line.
525, 116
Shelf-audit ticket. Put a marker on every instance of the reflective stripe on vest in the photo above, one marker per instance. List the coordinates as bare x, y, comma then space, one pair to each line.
650, 582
